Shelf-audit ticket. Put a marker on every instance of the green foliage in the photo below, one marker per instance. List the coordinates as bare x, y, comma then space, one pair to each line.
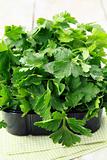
42, 106
4, 65
58, 67
32, 59
25, 106
78, 126
65, 137
3, 46
64, 16
14, 32
60, 87
4, 95
3, 124
51, 124
83, 94
63, 128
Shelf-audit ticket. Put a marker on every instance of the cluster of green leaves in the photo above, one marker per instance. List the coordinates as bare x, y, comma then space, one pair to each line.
3, 124
57, 68
64, 128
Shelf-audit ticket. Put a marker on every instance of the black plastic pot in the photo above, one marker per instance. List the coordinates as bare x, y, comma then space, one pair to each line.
93, 124
18, 125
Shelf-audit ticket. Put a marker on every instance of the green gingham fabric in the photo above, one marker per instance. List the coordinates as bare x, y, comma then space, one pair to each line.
42, 148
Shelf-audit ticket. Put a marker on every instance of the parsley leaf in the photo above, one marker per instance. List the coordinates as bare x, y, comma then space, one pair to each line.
14, 32
59, 86
4, 95
78, 126
85, 92
3, 124
62, 134
85, 67
65, 137
48, 124
25, 107
64, 17
42, 105
60, 69
32, 59
3, 46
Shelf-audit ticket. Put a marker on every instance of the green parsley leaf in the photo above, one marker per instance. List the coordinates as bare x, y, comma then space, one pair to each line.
25, 107
64, 17
44, 23
65, 36
61, 133
74, 98
41, 36
60, 69
65, 136
96, 73
73, 82
3, 124
51, 124
4, 65
32, 59
85, 53
85, 67
14, 32
90, 91
4, 95
78, 126
60, 87
57, 103
61, 53
85, 92
94, 109
42, 106
3, 46
48, 124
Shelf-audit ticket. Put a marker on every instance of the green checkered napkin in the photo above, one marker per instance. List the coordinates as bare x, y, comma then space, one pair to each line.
42, 148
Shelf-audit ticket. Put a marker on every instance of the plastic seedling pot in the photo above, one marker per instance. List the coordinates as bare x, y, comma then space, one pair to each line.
18, 125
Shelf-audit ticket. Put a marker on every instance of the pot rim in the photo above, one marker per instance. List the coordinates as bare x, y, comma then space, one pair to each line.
32, 112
